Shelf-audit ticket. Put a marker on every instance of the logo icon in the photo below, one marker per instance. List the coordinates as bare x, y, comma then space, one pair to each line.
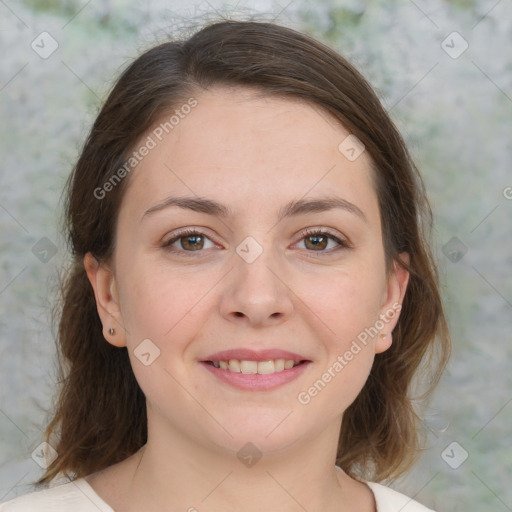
249, 455
454, 249
44, 45
44, 455
454, 45
44, 250
351, 147
454, 455
146, 352
249, 249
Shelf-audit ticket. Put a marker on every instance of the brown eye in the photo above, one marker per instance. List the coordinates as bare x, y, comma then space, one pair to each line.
316, 242
322, 241
192, 242
187, 242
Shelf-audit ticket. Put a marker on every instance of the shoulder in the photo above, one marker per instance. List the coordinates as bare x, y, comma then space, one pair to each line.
76, 496
389, 500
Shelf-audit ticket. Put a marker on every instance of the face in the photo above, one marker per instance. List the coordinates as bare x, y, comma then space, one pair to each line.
269, 249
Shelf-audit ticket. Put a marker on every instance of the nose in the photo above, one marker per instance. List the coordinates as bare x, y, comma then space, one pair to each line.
256, 294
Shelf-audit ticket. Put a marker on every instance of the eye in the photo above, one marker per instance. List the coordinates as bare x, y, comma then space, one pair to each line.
318, 240
315, 240
190, 240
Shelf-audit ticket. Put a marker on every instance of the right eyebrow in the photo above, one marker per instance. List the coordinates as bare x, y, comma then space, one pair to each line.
196, 204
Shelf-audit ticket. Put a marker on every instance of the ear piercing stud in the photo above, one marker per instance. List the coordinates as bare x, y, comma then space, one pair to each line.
111, 331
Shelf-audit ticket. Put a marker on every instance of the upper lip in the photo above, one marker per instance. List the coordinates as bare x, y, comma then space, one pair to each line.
246, 354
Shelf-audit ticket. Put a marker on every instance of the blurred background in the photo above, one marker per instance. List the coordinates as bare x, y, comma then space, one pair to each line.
443, 70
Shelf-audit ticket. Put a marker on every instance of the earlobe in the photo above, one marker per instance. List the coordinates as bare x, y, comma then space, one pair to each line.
103, 282
384, 342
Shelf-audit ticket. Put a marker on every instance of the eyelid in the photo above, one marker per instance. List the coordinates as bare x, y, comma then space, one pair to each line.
321, 229
190, 230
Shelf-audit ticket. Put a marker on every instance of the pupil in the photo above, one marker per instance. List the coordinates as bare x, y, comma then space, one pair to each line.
196, 239
317, 241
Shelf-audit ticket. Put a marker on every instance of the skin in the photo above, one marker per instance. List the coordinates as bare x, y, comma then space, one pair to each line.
253, 154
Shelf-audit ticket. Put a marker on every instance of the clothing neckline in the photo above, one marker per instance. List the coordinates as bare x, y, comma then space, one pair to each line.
88, 490
370, 487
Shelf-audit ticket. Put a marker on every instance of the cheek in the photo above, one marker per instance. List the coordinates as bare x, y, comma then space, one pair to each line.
339, 380
157, 303
349, 311
165, 308
346, 302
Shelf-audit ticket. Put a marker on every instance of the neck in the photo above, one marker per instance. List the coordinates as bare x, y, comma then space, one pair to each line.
185, 475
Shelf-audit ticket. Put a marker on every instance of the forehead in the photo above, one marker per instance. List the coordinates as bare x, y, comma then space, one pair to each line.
248, 150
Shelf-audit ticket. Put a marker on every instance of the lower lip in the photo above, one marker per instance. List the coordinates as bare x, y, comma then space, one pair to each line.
255, 381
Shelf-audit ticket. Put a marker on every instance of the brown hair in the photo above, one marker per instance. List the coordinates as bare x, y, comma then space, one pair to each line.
100, 416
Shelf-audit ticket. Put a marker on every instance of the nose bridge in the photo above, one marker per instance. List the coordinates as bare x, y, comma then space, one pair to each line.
256, 291
253, 262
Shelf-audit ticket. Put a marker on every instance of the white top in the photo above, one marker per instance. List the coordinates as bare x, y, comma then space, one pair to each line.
79, 496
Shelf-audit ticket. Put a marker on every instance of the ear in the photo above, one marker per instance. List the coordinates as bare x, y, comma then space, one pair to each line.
103, 281
392, 303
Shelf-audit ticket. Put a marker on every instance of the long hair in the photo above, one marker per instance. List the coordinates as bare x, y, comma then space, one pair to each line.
100, 412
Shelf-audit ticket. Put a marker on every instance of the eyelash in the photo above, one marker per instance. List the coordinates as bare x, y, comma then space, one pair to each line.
343, 244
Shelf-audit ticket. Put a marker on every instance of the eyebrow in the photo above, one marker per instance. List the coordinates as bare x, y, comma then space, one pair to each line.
291, 209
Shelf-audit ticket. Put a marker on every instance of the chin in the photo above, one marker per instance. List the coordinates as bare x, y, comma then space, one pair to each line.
269, 435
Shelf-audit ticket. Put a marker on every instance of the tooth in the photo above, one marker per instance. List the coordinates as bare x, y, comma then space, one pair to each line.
234, 365
252, 367
249, 367
266, 367
279, 365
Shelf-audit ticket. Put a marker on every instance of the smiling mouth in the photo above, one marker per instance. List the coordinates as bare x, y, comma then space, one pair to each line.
256, 367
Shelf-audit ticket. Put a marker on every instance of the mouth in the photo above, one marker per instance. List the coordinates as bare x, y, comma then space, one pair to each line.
251, 370
249, 367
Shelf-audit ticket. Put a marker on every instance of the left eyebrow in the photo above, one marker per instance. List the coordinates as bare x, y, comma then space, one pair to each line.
291, 209
303, 206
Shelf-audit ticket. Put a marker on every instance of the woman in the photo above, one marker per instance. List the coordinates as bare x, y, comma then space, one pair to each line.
252, 290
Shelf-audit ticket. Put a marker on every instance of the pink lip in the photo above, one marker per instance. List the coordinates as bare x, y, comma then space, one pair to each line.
253, 355
256, 382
